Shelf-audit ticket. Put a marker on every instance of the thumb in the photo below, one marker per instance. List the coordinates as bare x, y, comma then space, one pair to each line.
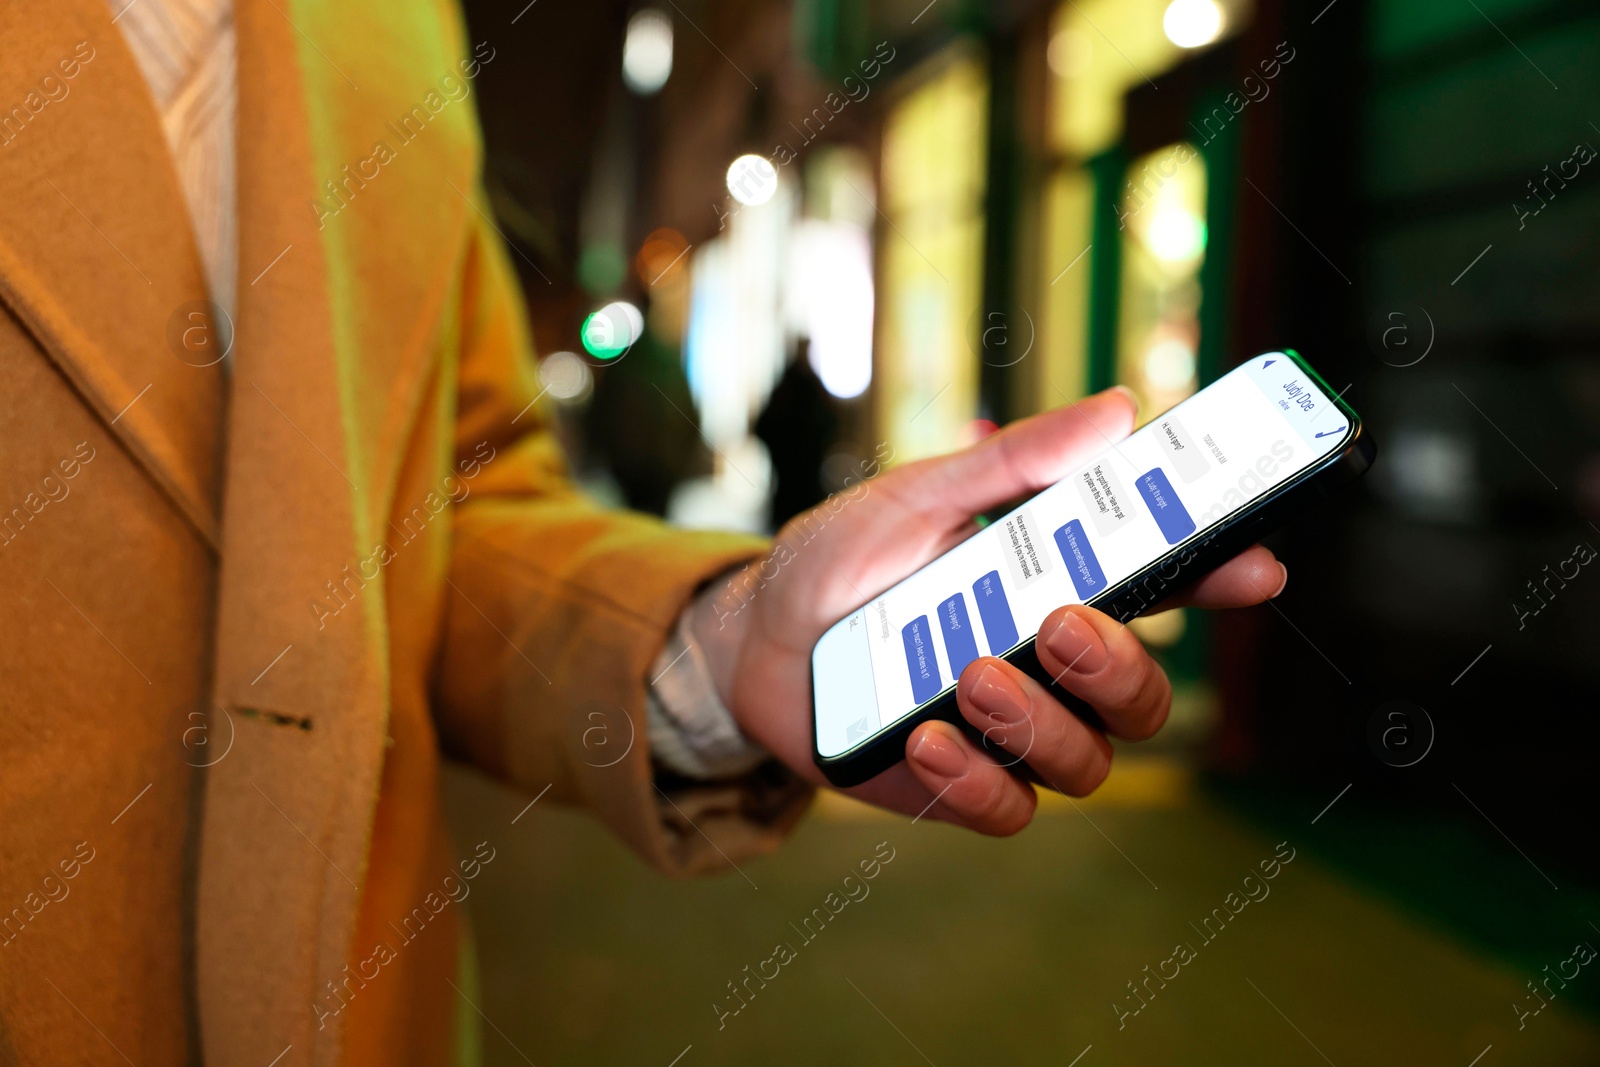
1025, 457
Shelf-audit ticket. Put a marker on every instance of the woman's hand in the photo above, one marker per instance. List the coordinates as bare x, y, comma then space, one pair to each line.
758, 632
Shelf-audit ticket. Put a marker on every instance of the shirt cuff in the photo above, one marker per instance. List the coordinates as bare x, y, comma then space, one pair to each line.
690, 730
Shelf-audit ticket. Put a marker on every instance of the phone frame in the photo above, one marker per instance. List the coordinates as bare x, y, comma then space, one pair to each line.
1182, 566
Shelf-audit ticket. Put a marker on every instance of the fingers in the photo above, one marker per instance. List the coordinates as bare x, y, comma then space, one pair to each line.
1021, 720
969, 787
1023, 458
1093, 657
1251, 577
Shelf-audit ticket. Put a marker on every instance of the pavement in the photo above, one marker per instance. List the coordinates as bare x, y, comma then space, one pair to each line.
1164, 921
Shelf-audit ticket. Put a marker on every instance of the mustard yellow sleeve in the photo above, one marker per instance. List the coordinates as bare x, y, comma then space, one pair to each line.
545, 654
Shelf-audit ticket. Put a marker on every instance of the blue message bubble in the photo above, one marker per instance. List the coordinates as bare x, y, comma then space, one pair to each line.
995, 610
1164, 505
959, 643
1087, 577
924, 669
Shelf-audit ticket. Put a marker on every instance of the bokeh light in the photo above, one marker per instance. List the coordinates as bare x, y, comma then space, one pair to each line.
565, 376
647, 51
1170, 363
609, 332
662, 251
1192, 23
752, 180
1175, 235
1068, 53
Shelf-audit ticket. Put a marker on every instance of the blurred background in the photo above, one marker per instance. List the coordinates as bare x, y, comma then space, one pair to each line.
763, 239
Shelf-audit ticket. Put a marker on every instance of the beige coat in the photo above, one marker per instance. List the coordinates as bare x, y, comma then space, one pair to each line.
244, 612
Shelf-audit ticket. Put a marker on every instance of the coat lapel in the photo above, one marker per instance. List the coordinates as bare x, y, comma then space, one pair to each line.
349, 262
287, 813
97, 256
338, 336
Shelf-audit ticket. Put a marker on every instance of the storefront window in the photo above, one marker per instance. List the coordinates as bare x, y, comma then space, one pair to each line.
932, 258
1064, 326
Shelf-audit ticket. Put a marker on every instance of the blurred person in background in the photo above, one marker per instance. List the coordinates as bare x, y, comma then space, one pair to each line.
261, 580
648, 446
799, 426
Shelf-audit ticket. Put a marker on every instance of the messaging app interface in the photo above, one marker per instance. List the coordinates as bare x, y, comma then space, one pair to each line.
1182, 472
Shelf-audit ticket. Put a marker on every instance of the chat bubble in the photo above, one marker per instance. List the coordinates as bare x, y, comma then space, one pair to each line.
1103, 496
1180, 449
995, 610
1164, 505
1019, 533
960, 646
924, 669
1082, 564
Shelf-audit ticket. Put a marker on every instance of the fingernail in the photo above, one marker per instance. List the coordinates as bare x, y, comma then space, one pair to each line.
1283, 583
1133, 398
940, 753
999, 697
1075, 643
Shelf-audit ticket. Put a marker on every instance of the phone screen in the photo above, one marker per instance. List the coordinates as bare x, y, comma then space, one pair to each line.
1163, 485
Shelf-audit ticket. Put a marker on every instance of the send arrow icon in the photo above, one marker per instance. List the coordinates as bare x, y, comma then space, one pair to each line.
1268, 363
857, 730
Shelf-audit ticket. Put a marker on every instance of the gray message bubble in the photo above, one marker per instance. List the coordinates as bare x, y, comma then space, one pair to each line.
1178, 446
1103, 496
1029, 561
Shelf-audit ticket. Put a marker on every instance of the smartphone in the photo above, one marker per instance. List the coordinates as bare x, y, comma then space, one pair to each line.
1137, 522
